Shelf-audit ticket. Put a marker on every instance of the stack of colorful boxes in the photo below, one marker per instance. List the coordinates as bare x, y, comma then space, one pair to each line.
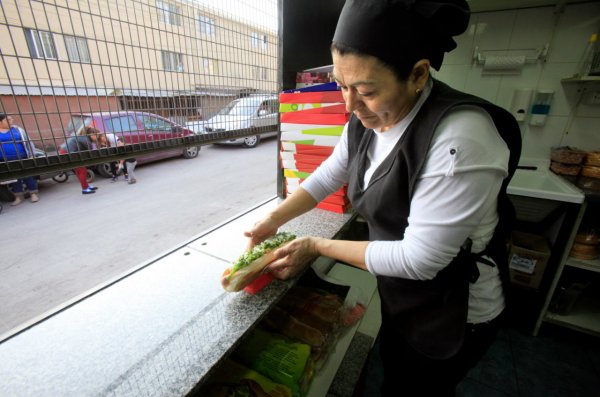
312, 121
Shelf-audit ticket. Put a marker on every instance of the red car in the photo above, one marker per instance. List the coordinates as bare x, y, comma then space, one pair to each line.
135, 127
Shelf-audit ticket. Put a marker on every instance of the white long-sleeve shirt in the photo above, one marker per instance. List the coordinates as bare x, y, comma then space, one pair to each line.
455, 197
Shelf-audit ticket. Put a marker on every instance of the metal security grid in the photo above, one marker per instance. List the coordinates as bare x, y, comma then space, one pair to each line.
151, 72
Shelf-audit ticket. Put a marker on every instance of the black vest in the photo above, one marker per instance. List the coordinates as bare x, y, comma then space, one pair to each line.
430, 315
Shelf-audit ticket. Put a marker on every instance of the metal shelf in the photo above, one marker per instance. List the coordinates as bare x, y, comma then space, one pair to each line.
586, 79
585, 264
585, 316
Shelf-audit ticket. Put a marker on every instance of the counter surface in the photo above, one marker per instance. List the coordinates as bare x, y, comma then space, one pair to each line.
156, 332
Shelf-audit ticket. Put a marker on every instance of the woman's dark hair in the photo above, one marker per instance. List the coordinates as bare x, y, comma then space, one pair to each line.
91, 130
3, 116
400, 71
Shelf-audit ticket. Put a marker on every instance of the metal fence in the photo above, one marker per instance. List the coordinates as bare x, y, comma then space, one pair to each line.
149, 75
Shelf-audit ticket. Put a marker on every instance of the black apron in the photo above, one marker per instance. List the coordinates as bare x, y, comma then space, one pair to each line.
429, 315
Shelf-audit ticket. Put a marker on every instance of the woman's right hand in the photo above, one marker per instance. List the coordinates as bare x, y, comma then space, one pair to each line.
261, 230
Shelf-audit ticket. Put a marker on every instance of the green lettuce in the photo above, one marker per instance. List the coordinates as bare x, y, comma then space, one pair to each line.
260, 249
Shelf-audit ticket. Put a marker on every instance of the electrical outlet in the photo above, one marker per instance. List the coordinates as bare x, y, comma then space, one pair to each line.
592, 98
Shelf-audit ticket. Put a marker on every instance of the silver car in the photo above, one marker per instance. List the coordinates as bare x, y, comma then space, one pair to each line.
248, 112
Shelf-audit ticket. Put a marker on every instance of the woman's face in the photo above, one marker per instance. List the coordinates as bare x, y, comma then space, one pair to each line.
372, 92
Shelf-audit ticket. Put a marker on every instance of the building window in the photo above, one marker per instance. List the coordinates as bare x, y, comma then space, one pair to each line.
172, 61
168, 13
254, 39
206, 25
77, 49
260, 73
263, 41
41, 44
211, 66
259, 40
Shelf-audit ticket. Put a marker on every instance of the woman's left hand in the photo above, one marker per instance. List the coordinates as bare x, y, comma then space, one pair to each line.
293, 257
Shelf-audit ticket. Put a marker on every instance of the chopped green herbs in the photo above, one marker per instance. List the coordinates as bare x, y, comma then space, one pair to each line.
259, 250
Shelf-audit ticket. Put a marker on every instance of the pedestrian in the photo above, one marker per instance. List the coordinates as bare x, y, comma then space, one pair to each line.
83, 140
427, 167
113, 141
127, 166
16, 145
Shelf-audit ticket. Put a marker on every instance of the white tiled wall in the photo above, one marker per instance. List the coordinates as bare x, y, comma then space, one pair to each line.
509, 33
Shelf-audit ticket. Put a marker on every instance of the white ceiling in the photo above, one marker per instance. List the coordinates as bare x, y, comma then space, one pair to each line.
496, 5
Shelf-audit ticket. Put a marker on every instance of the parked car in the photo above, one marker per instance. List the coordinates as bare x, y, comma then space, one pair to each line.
248, 112
135, 127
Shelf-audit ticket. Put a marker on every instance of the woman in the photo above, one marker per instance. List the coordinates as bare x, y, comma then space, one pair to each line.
427, 167
83, 140
17, 146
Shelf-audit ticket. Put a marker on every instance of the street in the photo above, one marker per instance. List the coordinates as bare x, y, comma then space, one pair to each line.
68, 243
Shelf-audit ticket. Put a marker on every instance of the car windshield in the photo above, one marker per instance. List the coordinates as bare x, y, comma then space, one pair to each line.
239, 108
77, 122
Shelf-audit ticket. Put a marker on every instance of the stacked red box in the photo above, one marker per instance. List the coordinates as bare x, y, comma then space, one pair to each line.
311, 125
306, 78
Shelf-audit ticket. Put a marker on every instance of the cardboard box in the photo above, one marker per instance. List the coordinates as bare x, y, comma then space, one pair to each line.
528, 259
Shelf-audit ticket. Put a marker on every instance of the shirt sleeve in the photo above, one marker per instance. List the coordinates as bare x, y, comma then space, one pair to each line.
332, 174
454, 198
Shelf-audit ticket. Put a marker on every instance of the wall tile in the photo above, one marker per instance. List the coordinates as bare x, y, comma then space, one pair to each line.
550, 79
586, 110
574, 28
537, 141
463, 53
527, 79
567, 32
484, 86
585, 134
453, 75
493, 31
533, 28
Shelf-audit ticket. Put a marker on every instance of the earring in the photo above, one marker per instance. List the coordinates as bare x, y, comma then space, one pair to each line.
418, 91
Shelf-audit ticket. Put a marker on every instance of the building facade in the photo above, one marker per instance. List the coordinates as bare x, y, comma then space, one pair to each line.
180, 59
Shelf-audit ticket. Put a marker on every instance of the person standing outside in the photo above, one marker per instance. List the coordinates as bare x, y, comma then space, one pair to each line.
128, 167
113, 141
427, 167
15, 145
83, 140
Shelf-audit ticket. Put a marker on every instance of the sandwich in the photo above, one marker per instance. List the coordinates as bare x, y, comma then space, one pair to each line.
250, 265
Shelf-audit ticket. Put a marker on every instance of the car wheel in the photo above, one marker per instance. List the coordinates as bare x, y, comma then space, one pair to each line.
104, 170
191, 152
61, 178
251, 141
90, 176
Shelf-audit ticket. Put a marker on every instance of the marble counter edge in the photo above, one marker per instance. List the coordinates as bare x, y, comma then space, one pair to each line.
182, 359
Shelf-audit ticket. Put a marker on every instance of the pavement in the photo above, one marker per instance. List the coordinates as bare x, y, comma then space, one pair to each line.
67, 244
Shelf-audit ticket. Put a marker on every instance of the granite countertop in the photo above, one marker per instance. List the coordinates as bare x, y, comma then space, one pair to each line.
156, 332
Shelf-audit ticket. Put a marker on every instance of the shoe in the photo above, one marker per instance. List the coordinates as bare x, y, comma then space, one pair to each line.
18, 200
132, 181
88, 191
92, 187
34, 197
126, 178
114, 179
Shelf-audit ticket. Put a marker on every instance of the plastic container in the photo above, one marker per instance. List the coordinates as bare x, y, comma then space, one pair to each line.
585, 65
566, 297
541, 107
